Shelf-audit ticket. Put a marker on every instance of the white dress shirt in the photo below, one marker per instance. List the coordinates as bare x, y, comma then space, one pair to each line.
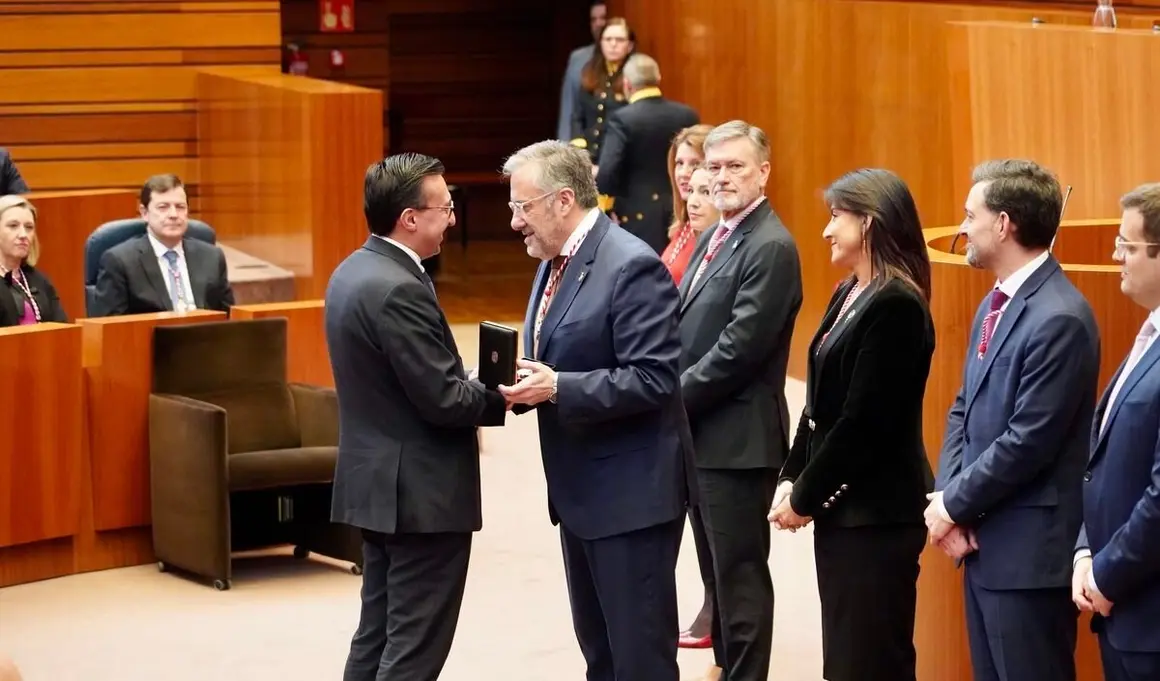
160, 249
412, 254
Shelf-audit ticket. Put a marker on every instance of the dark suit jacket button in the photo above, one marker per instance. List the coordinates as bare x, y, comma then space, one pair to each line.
599, 119
1087, 476
639, 216
845, 487
826, 505
833, 500
656, 197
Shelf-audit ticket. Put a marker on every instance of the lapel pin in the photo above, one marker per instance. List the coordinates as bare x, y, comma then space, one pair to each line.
581, 277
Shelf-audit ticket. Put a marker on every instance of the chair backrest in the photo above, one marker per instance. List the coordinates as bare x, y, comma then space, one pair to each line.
238, 365
116, 232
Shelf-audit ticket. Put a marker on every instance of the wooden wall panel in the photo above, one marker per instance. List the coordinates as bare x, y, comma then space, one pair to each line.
42, 419
284, 159
118, 362
466, 81
64, 221
307, 357
88, 83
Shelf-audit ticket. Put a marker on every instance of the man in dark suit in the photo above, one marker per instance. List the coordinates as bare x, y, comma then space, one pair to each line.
634, 161
162, 270
1117, 562
597, 19
602, 326
1016, 437
10, 180
739, 305
408, 457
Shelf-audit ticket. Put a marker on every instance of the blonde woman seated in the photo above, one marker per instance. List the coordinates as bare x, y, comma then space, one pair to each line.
26, 295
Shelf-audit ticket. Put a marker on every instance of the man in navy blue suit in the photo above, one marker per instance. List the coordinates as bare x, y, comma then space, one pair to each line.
603, 329
1008, 496
1117, 560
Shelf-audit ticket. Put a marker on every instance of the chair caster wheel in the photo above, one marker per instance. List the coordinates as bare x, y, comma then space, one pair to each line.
221, 584
356, 570
301, 552
162, 567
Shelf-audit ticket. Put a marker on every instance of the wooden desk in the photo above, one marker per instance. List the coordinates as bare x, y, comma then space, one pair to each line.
308, 360
42, 422
282, 163
64, 221
118, 361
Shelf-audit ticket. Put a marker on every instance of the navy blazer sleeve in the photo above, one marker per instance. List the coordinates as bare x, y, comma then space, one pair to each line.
613, 152
646, 339
411, 331
1131, 557
10, 180
1060, 349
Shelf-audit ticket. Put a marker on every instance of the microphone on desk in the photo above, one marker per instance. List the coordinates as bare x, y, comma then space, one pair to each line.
1062, 210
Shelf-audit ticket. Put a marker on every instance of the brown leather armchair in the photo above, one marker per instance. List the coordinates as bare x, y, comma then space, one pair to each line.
239, 458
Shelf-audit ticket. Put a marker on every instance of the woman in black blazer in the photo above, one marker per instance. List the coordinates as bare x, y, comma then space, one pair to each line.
602, 86
858, 468
26, 295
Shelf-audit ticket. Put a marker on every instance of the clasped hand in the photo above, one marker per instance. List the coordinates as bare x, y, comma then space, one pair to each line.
534, 387
1084, 592
955, 541
781, 513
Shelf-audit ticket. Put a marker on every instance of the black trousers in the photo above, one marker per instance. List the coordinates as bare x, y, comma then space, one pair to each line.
623, 592
867, 584
735, 507
704, 554
1125, 666
411, 593
1021, 633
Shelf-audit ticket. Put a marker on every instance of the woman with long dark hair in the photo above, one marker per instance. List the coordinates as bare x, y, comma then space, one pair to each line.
858, 468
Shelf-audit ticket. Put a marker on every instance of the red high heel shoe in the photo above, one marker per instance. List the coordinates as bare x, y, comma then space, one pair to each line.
686, 640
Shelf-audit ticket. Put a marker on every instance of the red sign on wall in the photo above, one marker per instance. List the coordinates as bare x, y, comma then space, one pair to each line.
336, 16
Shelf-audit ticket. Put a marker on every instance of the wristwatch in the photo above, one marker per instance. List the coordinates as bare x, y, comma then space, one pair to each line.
555, 383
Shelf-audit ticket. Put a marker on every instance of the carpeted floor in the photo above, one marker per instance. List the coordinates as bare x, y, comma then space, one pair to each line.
289, 620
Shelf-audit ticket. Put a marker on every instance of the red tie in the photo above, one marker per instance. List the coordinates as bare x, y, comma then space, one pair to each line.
558, 264
998, 298
719, 237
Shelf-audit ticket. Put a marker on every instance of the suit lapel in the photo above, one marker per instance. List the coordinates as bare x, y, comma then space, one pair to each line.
1007, 321
725, 252
813, 365
538, 285
840, 326
1142, 367
8, 309
1102, 406
197, 264
152, 270
571, 280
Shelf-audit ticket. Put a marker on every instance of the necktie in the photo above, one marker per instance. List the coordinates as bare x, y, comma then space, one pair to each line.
998, 298
176, 292
430, 283
546, 298
719, 238
1141, 344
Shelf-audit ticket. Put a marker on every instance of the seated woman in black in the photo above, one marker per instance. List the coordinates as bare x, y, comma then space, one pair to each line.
26, 295
857, 467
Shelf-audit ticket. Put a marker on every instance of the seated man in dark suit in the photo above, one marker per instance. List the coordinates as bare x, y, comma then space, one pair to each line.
10, 180
162, 270
634, 158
